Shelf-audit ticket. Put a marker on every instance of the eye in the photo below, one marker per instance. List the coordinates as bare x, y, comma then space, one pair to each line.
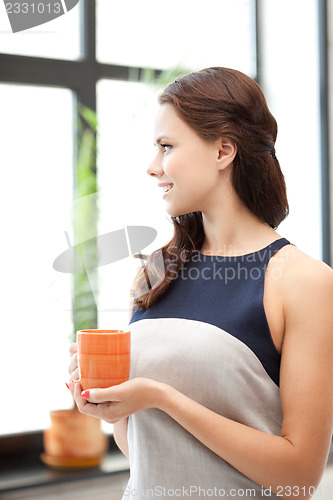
166, 147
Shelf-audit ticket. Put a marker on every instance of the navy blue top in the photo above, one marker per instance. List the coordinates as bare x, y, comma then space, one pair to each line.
226, 292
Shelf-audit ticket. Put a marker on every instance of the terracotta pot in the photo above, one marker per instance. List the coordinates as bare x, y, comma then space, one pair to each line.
74, 440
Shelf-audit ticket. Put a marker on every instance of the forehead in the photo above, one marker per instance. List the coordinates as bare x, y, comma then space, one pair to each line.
168, 123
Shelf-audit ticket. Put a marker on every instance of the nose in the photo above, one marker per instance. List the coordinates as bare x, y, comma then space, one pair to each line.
155, 169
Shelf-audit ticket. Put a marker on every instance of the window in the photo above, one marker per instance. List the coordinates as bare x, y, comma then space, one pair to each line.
187, 33
36, 159
58, 38
290, 80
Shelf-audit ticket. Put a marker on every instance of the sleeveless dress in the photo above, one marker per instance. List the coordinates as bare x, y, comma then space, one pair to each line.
208, 337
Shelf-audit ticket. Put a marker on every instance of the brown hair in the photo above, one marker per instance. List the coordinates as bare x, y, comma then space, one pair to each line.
219, 102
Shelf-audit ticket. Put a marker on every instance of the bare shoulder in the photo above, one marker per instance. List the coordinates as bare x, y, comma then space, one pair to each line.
303, 277
299, 267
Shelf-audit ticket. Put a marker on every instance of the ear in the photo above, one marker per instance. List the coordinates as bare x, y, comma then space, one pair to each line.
226, 152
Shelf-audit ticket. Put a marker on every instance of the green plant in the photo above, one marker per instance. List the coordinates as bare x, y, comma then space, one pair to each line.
84, 221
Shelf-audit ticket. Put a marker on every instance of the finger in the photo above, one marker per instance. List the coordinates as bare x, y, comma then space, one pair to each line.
73, 348
81, 402
73, 363
83, 405
101, 395
75, 375
70, 386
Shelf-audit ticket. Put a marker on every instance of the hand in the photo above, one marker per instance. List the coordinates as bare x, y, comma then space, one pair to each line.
115, 403
73, 366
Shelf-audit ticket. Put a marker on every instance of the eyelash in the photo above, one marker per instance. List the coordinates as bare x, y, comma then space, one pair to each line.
165, 146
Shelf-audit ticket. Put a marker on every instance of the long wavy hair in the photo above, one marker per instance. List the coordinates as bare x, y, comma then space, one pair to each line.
219, 102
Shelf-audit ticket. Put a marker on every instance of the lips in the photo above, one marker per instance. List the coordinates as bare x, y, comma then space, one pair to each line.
167, 188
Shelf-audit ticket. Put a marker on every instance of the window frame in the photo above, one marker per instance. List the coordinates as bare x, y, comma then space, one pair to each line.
324, 30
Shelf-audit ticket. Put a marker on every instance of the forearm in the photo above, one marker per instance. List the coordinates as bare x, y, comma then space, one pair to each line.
120, 435
269, 460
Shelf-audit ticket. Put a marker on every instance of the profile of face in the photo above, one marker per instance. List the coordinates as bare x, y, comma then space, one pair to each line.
189, 170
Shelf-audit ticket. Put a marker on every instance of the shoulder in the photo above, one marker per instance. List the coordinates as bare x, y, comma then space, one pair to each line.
306, 284
299, 270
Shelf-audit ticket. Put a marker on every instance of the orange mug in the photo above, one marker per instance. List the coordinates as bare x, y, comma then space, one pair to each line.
103, 357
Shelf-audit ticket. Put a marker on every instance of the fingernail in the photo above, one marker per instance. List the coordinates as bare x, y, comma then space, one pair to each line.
67, 385
85, 394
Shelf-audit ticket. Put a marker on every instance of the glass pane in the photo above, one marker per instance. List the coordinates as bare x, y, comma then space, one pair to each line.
189, 33
127, 195
294, 101
36, 323
58, 37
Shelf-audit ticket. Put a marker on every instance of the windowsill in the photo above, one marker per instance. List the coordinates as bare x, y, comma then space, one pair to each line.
19, 472
22, 474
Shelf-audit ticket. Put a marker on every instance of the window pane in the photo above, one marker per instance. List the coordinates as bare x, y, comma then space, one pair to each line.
58, 38
294, 101
127, 195
191, 33
36, 158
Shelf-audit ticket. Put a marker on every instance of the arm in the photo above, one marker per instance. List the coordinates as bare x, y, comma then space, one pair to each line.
294, 461
120, 435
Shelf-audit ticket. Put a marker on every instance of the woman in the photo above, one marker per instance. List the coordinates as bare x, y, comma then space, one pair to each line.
231, 387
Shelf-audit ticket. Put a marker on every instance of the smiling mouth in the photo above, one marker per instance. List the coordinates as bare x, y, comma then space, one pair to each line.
167, 188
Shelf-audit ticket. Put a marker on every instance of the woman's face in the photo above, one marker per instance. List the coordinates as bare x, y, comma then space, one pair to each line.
185, 163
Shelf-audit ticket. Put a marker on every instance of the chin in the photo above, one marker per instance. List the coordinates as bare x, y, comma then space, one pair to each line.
177, 213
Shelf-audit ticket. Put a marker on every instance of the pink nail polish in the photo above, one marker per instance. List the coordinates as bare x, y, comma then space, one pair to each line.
67, 385
85, 394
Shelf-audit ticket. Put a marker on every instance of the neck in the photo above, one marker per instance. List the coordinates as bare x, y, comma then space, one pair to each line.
232, 229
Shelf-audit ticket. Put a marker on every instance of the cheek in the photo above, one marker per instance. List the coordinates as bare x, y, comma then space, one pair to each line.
183, 166
192, 165
174, 168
